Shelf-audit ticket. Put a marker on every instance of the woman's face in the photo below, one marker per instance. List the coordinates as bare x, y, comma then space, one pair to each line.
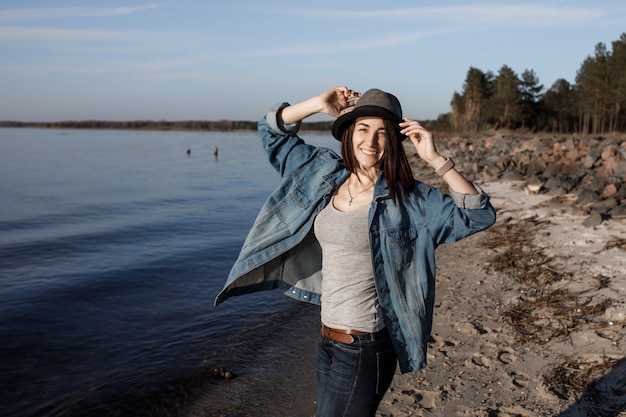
368, 141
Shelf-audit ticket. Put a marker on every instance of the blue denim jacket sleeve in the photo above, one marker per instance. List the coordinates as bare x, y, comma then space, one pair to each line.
277, 125
459, 216
470, 201
285, 150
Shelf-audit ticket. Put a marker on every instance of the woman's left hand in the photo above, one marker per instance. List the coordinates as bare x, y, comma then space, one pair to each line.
425, 146
422, 139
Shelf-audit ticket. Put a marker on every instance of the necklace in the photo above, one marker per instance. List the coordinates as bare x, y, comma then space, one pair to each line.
358, 194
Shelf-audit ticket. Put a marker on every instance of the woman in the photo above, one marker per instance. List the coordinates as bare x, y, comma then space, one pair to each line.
357, 236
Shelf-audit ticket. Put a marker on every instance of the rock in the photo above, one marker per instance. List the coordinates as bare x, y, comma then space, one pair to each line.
575, 155
556, 191
591, 159
560, 181
608, 152
605, 205
539, 146
618, 212
588, 161
469, 168
609, 191
503, 163
568, 144
498, 142
522, 162
621, 192
594, 183
512, 175
615, 314
491, 172
610, 166
587, 196
535, 167
551, 170
594, 219
592, 169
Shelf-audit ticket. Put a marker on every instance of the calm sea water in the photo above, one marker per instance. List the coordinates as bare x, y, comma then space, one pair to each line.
113, 245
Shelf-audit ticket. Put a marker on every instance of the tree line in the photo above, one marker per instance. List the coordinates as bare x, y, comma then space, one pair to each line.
194, 125
220, 125
594, 104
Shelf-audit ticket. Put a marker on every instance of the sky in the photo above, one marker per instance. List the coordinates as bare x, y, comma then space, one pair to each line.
212, 60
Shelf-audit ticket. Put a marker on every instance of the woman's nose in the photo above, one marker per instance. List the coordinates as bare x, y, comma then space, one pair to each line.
371, 139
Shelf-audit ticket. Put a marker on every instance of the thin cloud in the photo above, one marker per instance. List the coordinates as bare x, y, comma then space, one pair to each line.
522, 14
19, 33
47, 69
69, 12
345, 46
128, 68
22, 33
179, 76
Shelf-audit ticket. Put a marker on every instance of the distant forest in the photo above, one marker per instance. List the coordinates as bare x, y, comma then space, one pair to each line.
594, 104
198, 125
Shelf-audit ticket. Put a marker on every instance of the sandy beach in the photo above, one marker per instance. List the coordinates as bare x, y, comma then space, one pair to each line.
530, 319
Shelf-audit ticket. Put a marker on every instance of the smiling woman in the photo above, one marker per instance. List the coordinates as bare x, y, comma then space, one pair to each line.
356, 234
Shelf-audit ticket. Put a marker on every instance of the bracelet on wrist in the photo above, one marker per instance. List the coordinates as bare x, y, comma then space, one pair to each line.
447, 166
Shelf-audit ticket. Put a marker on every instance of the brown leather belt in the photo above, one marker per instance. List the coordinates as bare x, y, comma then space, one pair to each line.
339, 335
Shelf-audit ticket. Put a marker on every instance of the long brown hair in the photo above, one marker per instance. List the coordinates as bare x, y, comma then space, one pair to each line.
394, 164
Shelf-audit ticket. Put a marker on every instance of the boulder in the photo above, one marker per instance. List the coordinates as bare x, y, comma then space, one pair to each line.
609, 152
618, 212
589, 160
609, 191
535, 167
587, 197
561, 181
604, 206
594, 219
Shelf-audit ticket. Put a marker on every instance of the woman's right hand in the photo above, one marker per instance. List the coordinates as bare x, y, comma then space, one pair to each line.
338, 100
333, 102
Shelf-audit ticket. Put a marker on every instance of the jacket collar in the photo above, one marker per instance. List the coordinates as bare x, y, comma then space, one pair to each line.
381, 191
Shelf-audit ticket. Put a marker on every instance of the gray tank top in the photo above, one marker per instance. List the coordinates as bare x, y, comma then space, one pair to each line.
349, 299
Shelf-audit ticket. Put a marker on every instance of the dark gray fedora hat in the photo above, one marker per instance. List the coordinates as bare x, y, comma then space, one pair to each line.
374, 103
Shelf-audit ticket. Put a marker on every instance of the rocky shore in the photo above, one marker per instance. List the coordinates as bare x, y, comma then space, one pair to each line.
530, 318
593, 169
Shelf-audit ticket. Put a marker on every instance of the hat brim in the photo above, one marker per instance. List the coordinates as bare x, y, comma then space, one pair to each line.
343, 122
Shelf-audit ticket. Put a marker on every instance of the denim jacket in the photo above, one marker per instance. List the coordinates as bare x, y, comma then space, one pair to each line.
281, 252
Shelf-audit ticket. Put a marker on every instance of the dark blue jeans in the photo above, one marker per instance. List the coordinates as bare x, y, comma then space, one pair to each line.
353, 378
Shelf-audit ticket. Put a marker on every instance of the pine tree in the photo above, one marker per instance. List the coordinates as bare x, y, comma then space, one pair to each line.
507, 98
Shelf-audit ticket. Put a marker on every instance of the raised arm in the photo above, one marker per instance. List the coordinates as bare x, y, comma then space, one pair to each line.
424, 144
332, 102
